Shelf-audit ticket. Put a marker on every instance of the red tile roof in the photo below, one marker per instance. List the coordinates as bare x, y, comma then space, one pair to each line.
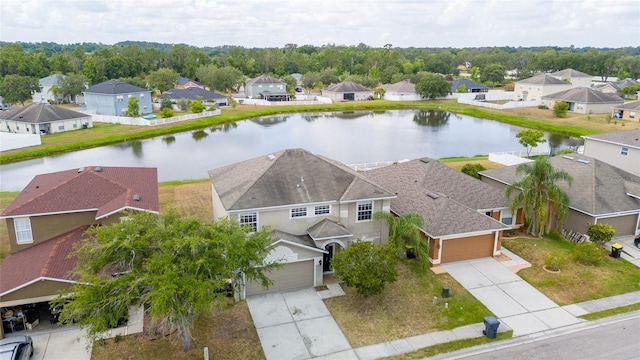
105, 189
47, 259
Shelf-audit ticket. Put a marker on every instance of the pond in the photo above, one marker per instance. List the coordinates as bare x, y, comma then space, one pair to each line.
349, 137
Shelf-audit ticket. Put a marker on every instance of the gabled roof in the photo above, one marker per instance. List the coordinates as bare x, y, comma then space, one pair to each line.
401, 86
328, 229
630, 138
40, 113
625, 82
542, 79
346, 86
570, 73
50, 80
184, 81
586, 96
633, 105
113, 87
448, 200
469, 84
287, 177
48, 259
106, 190
192, 93
264, 79
304, 240
598, 188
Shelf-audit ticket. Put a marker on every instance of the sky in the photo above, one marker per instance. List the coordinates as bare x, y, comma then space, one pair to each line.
376, 23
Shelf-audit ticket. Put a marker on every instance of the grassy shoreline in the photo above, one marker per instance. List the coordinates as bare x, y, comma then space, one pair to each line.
107, 134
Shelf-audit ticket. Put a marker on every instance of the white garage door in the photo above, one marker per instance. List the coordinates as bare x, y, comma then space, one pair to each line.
290, 276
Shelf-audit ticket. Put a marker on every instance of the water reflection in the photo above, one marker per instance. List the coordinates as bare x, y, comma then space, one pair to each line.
136, 147
199, 135
433, 118
226, 127
270, 120
169, 139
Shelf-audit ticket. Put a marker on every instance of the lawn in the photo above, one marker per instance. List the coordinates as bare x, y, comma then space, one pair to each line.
405, 308
575, 282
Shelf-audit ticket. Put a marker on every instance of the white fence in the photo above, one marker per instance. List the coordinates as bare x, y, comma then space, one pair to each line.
509, 158
124, 120
509, 105
261, 102
10, 141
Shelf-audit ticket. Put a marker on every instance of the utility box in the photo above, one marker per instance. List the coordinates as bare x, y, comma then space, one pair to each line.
616, 249
491, 327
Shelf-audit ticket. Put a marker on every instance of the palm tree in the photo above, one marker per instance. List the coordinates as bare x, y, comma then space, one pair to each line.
404, 233
539, 194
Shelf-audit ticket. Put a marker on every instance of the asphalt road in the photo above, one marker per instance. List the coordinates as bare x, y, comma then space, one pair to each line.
616, 338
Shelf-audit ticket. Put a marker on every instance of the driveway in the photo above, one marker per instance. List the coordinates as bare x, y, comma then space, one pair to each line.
58, 344
297, 325
514, 302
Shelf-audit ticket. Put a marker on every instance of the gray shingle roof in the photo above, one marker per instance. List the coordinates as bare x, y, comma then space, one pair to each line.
633, 105
287, 177
447, 199
468, 84
346, 86
40, 113
598, 188
327, 229
629, 138
264, 79
401, 86
585, 95
192, 93
184, 81
114, 87
541, 79
570, 73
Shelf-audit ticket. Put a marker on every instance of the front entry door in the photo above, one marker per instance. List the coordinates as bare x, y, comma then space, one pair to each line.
326, 260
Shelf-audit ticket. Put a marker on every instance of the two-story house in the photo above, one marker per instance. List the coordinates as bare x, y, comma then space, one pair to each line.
268, 88
315, 207
620, 149
112, 96
53, 212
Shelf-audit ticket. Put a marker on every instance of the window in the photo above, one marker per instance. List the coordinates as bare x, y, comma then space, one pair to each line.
632, 114
322, 210
506, 217
61, 125
75, 124
23, 230
624, 151
141, 96
299, 212
365, 210
120, 98
250, 220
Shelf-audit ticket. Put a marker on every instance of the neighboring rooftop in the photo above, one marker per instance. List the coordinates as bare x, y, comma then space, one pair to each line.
401, 86
585, 95
570, 73
264, 79
542, 79
114, 87
346, 86
40, 113
192, 93
629, 138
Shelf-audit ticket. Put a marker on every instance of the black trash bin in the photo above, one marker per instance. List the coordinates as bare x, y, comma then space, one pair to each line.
491, 327
445, 292
616, 249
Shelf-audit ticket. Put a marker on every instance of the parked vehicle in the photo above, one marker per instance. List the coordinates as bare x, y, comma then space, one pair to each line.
16, 348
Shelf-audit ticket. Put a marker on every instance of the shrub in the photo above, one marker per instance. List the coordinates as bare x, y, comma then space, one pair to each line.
196, 106
166, 113
473, 169
554, 261
560, 109
166, 103
587, 253
366, 266
600, 233
183, 104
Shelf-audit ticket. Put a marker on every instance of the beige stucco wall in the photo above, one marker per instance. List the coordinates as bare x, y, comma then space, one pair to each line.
44, 228
339, 96
611, 154
537, 91
53, 127
582, 108
627, 114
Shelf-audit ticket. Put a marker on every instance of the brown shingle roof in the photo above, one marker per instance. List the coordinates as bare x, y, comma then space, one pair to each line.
447, 199
48, 259
287, 177
109, 190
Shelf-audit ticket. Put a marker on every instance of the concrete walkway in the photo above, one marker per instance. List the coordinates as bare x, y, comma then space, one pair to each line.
515, 302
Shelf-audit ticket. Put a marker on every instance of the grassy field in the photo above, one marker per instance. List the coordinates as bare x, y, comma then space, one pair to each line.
104, 134
575, 282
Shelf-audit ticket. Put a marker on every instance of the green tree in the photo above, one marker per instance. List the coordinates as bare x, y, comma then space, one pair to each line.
600, 233
366, 267
166, 103
560, 109
224, 79
405, 233
431, 86
493, 73
173, 266
196, 106
166, 113
162, 79
530, 139
133, 107
16, 88
72, 85
539, 194
473, 169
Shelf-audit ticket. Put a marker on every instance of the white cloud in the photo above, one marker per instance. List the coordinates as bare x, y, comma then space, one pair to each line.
263, 23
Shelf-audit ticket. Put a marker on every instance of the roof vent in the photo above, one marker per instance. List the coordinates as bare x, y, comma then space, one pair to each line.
582, 161
136, 197
271, 157
433, 195
567, 157
80, 170
98, 168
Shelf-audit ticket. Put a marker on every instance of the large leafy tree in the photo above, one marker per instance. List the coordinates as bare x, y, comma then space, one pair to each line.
162, 79
405, 233
72, 85
493, 73
530, 139
173, 266
16, 88
133, 107
366, 267
431, 86
539, 194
